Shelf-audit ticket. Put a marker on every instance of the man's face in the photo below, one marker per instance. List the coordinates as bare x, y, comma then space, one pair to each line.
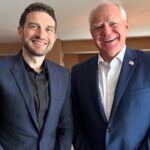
38, 34
109, 30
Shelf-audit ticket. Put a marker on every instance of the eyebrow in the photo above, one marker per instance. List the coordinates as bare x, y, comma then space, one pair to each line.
49, 26
97, 24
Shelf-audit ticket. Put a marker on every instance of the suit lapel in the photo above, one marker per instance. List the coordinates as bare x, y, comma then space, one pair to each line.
56, 95
21, 78
128, 67
92, 73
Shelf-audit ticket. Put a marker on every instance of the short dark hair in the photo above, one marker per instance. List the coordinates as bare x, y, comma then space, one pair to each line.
37, 7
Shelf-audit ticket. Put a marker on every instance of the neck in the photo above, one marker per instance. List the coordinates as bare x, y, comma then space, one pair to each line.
35, 62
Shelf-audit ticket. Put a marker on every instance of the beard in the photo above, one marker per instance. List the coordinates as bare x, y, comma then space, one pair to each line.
34, 51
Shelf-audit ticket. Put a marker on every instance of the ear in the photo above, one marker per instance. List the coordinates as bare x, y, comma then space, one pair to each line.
91, 33
20, 32
127, 24
55, 37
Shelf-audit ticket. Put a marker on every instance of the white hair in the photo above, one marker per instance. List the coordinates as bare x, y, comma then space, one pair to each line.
114, 2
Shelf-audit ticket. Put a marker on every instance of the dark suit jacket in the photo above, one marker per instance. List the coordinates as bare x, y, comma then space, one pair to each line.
129, 124
18, 121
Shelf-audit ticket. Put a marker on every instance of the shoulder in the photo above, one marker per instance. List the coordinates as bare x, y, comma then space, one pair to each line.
86, 63
57, 67
139, 52
142, 58
144, 55
7, 60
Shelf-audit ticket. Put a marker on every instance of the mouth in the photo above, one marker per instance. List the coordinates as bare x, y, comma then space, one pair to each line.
39, 42
109, 40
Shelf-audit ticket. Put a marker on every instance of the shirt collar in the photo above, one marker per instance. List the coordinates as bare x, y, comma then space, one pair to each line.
28, 68
119, 56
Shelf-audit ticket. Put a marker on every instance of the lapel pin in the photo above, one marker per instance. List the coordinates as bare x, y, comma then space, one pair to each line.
131, 62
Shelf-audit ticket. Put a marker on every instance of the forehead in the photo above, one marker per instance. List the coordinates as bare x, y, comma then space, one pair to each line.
40, 17
106, 11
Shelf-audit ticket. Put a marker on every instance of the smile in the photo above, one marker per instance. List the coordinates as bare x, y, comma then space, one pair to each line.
110, 40
39, 42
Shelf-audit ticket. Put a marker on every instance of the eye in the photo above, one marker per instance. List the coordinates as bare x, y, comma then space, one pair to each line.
113, 24
33, 26
50, 29
98, 27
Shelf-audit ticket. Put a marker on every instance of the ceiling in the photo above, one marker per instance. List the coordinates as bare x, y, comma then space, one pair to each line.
72, 16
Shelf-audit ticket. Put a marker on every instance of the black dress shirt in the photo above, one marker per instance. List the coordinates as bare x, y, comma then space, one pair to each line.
40, 89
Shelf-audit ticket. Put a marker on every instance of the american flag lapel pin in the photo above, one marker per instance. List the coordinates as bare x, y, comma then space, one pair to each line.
131, 62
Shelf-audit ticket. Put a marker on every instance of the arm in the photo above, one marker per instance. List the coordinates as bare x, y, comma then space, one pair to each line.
79, 139
65, 126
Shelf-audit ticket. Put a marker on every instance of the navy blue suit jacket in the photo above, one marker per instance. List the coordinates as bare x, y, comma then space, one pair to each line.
129, 125
18, 121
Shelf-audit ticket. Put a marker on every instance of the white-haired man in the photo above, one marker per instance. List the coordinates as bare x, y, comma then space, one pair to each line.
111, 92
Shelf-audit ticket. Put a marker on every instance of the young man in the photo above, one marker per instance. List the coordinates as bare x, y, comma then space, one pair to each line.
35, 106
111, 92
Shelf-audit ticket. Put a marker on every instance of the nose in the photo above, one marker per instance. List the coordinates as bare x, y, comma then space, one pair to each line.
41, 32
107, 30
